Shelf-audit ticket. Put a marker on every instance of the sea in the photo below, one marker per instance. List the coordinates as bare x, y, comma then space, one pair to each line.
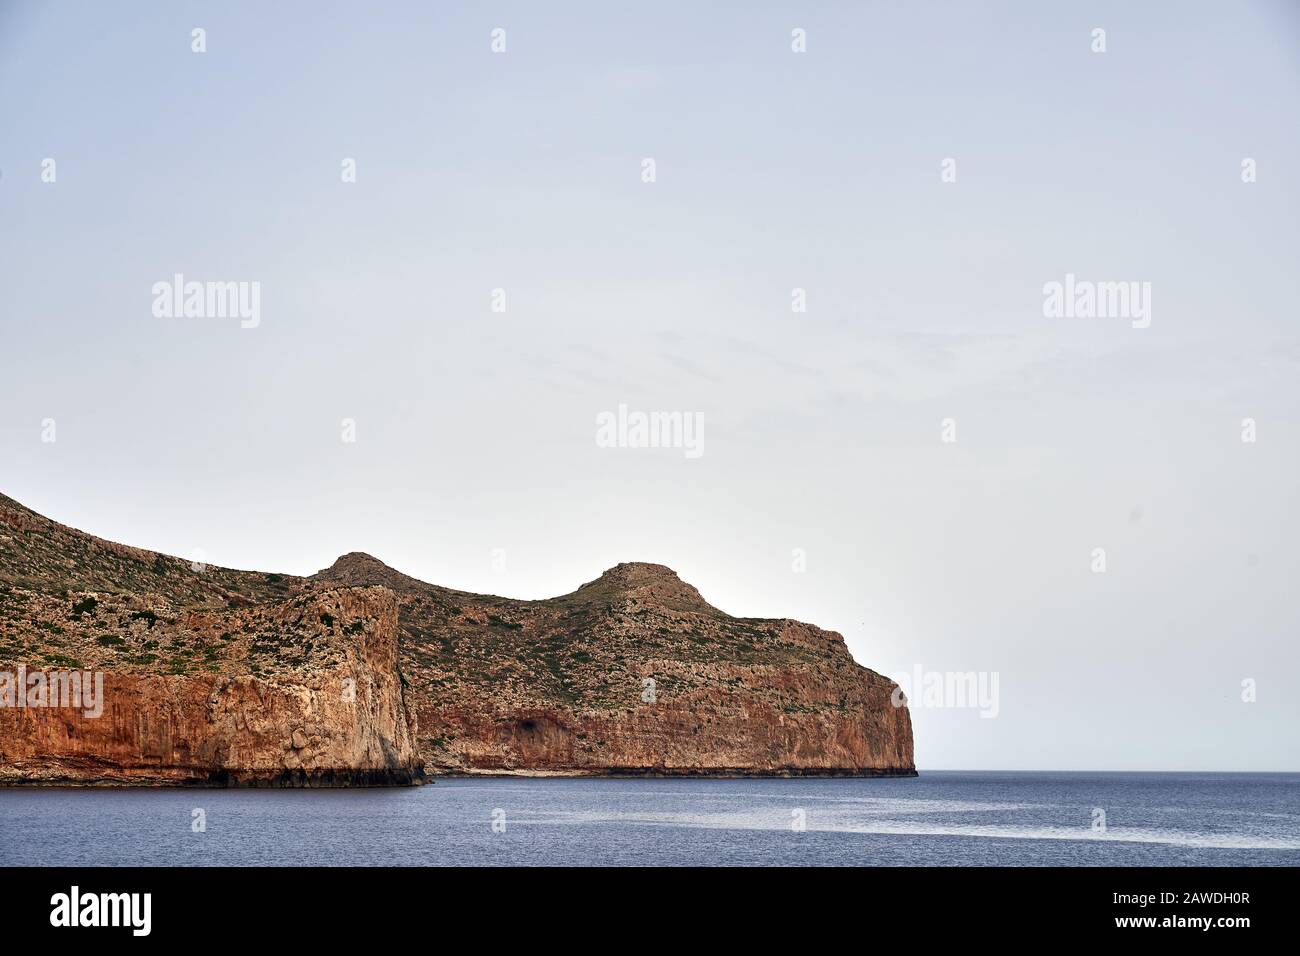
937, 819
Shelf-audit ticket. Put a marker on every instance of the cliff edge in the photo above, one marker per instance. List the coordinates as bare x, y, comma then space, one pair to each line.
121, 666
363, 675
633, 673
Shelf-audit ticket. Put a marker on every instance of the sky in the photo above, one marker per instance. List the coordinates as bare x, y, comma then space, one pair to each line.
921, 458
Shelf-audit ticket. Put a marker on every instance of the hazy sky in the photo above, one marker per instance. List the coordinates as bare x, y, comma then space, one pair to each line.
775, 170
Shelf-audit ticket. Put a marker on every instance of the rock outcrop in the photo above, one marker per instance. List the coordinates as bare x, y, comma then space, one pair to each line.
361, 674
205, 676
633, 673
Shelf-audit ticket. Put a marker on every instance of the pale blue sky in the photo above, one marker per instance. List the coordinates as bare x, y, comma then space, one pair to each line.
775, 170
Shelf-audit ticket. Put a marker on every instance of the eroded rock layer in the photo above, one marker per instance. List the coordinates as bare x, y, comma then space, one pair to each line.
633, 673
206, 676
362, 675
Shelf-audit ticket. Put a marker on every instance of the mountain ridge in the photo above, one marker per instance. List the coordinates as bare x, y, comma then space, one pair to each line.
631, 672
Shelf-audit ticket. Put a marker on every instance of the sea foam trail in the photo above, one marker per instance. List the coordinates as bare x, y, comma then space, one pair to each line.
814, 821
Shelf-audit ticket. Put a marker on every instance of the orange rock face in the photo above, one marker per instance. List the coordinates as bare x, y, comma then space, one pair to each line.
633, 673
362, 675
329, 713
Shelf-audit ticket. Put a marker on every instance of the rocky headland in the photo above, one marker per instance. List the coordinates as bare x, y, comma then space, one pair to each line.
360, 675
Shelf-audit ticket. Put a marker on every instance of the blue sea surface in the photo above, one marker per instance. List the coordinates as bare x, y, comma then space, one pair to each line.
938, 819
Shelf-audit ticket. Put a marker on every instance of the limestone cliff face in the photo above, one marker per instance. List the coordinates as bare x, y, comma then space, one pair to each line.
633, 673
327, 709
363, 675
208, 676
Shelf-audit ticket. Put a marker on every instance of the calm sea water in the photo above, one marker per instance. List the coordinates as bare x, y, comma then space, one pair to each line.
965, 819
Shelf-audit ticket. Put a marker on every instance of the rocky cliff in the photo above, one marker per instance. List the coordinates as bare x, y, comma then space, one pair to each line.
189, 676
633, 673
361, 674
